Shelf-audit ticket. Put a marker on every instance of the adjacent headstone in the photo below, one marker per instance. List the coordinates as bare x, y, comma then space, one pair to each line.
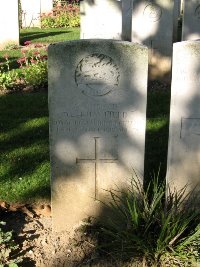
30, 13
191, 20
177, 13
152, 25
46, 6
101, 19
127, 9
184, 135
9, 23
97, 104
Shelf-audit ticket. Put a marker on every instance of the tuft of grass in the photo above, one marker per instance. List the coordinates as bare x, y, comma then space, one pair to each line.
150, 227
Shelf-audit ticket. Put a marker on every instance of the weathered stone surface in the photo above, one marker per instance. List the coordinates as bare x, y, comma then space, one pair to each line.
184, 136
101, 19
97, 104
9, 23
191, 20
152, 25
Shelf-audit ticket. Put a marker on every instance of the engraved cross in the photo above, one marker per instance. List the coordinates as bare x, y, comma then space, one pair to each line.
96, 160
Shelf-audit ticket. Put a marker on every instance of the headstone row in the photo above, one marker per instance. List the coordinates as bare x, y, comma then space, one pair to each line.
146, 22
152, 23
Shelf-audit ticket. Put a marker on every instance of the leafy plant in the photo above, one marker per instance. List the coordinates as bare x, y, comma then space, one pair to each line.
33, 68
7, 77
33, 64
147, 225
63, 16
8, 254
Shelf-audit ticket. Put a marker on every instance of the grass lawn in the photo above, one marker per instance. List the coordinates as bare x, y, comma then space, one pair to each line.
157, 128
24, 158
24, 144
37, 35
49, 35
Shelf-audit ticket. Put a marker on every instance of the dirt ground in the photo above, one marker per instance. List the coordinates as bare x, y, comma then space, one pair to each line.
39, 246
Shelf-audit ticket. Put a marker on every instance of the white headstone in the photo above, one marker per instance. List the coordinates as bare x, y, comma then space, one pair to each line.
152, 25
9, 23
31, 11
97, 104
101, 19
46, 6
184, 136
191, 20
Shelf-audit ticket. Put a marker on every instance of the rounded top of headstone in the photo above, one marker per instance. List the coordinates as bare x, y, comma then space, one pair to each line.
187, 42
100, 42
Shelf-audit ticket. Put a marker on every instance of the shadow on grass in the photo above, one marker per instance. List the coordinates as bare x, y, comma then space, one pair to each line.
30, 36
157, 132
24, 146
24, 142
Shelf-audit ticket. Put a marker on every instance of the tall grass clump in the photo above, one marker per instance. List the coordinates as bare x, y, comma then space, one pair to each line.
151, 227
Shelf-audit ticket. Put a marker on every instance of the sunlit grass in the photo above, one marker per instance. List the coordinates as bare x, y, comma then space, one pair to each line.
36, 35
157, 129
49, 35
24, 158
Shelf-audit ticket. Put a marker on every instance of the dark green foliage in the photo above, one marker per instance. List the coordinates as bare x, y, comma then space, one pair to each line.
8, 249
147, 225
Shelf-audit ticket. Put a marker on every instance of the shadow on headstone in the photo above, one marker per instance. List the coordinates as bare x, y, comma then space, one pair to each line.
184, 145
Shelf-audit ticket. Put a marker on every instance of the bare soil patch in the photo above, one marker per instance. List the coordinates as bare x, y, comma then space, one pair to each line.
41, 247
